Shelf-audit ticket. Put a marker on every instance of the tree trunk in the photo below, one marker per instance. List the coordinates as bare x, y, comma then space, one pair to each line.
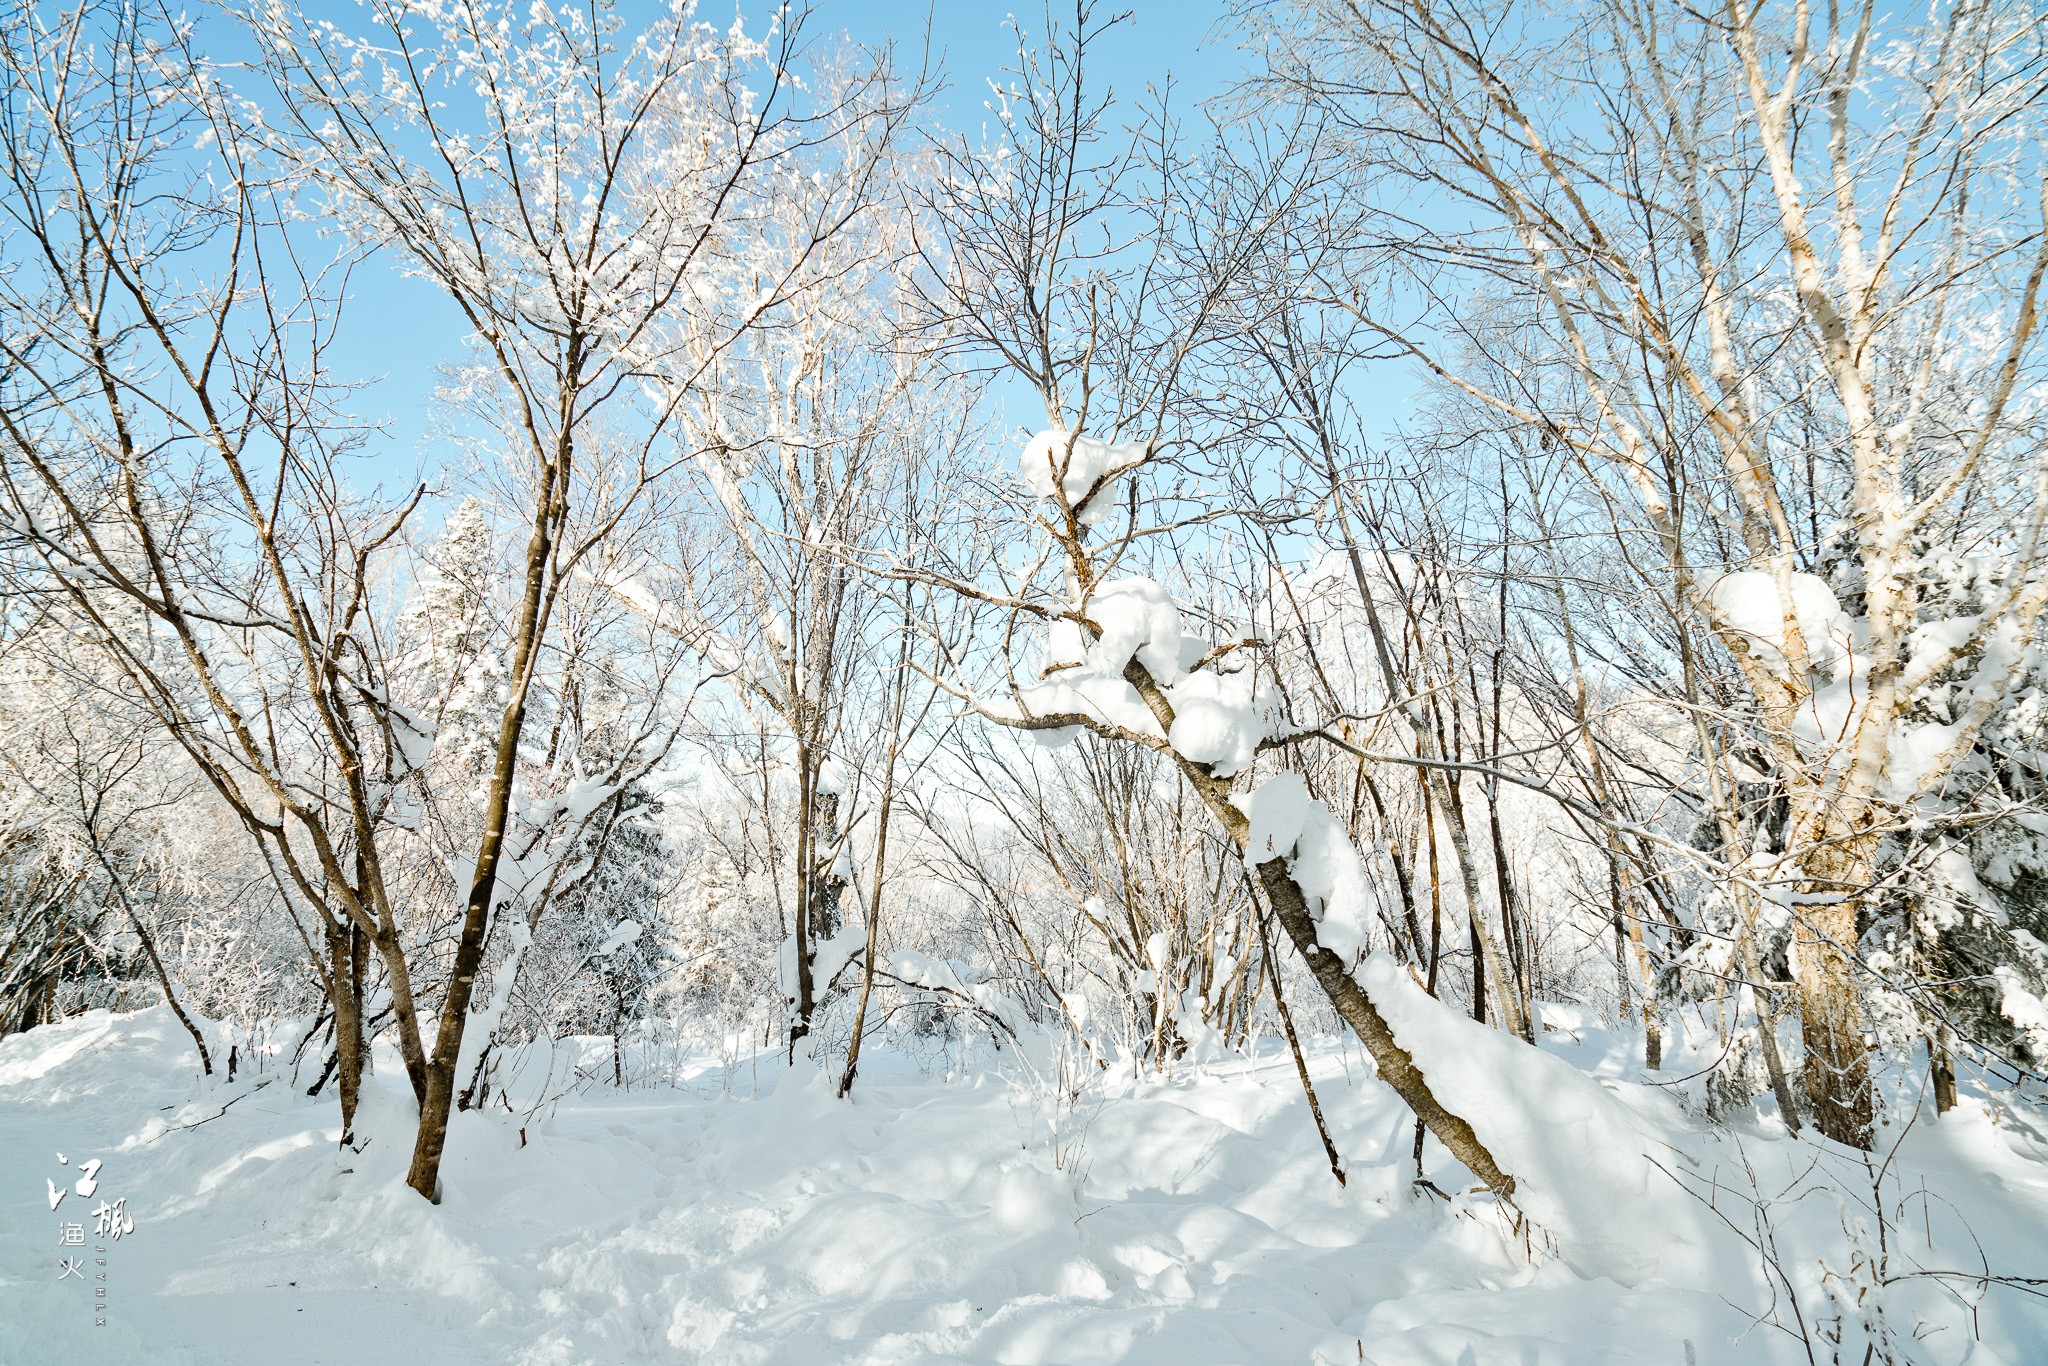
1943, 1067
391, 950
867, 972
1629, 944
1486, 955
618, 1049
1395, 1064
1403, 875
156, 963
347, 954
424, 1175
1520, 951
1836, 1075
821, 891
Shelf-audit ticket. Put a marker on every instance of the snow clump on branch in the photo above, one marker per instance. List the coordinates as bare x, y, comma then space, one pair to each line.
1083, 468
1137, 619
1221, 713
1746, 604
1286, 822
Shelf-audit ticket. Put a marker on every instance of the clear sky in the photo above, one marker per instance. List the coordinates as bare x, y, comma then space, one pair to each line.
397, 332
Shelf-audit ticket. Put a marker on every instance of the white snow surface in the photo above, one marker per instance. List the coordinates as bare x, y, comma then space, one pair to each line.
745, 1215
1083, 692
1278, 808
1540, 1118
829, 958
624, 933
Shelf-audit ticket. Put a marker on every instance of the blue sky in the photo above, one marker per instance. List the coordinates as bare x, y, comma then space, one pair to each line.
396, 332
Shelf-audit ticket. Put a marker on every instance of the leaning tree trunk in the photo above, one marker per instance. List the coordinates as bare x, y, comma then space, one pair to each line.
424, 1175
1396, 1066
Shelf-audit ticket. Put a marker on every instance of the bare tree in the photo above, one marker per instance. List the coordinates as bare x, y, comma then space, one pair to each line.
171, 474
1094, 271
577, 191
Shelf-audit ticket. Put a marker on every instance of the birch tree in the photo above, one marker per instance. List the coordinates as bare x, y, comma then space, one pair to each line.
1790, 258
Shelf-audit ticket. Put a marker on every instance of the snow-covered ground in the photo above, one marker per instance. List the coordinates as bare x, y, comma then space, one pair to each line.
748, 1216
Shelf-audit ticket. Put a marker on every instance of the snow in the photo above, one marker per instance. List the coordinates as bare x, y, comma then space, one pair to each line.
1747, 604
1064, 646
832, 956
2022, 1006
1277, 809
1220, 717
829, 958
1333, 877
1221, 713
624, 933
956, 978
1577, 1154
480, 1031
1615, 1215
1073, 465
1286, 821
1139, 619
1913, 750
745, 1215
1087, 693
833, 779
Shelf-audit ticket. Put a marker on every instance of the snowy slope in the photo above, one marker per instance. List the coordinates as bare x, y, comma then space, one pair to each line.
747, 1216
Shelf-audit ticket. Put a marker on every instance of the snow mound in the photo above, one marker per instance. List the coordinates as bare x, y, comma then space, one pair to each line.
1578, 1154
1138, 620
1083, 692
1614, 1214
